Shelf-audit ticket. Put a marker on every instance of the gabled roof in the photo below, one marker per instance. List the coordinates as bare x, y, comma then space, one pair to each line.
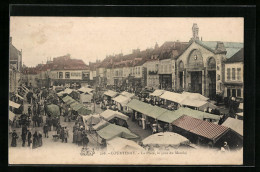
202, 128
234, 124
238, 57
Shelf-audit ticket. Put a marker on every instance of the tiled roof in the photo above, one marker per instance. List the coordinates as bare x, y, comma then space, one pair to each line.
14, 53
199, 127
69, 64
238, 57
231, 47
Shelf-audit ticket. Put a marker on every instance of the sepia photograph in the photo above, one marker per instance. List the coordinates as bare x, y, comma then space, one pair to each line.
126, 90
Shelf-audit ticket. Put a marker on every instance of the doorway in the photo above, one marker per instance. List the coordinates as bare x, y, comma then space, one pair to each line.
212, 84
196, 82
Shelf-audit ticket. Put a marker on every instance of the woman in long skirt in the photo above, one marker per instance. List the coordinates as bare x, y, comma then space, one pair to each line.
14, 137
35, 140
40, 139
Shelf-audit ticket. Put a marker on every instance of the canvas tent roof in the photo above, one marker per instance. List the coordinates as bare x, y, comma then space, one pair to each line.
91, 119
85, 98
197, 114
85, 90
169, 116
156, 111
199, 127
171, 96
122, 100
110, 114
157, 93
84, 111
67, 98
101, 124
67, 90
139, 106
121, 144
111, 131
194, 96
76, 106
11, 115
127, 94
13, 104
234, 124
165, 138
110, 93
193, 103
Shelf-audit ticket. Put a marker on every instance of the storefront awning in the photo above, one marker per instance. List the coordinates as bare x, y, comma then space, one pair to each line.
13, 104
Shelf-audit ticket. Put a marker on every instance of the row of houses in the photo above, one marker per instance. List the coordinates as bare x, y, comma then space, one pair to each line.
15, 67
205, 67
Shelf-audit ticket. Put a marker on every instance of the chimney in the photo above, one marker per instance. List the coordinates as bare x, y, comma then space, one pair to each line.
201, 39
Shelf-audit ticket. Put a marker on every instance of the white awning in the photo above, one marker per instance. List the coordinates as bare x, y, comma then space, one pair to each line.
196, 103
234, 124
122, 100
110, 93
86, 90
157, 93
194, 96
171, 96
11, 115
127, 94
121, 144
13, 104
67, 91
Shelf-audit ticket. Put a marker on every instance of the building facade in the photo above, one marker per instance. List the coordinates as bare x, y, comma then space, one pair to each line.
15, 68
234, 72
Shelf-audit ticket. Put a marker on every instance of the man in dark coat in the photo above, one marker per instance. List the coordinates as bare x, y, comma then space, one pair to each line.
23, 138
45, 130
29, 138
14, 137
62, 134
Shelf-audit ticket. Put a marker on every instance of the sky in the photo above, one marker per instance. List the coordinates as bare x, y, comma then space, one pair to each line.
91, 38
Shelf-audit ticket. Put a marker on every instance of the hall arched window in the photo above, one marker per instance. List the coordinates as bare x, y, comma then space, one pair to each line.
212, 63
181, 66
195, 60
